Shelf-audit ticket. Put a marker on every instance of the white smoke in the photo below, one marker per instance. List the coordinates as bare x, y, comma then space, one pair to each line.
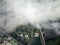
21, 12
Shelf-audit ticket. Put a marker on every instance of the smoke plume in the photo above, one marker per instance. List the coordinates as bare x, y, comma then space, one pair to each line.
35, 12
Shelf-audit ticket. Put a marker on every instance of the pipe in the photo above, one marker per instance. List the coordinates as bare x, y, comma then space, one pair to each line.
41, 37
